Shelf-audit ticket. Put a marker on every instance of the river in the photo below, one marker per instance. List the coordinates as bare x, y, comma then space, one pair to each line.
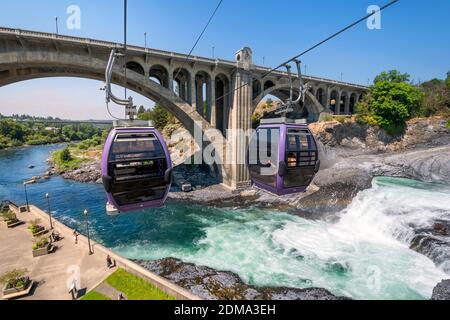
364, 255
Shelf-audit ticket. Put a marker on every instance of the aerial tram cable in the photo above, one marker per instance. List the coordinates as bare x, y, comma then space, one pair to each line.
317, 45
331, 37
292, 166
199, 37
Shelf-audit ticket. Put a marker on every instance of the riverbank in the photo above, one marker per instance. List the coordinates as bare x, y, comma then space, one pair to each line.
211, 284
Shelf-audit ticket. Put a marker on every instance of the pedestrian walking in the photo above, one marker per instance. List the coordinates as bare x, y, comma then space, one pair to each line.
109, 262
73, 290
75, 237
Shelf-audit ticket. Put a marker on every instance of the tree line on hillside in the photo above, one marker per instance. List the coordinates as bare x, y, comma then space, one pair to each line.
15, 134
28, 117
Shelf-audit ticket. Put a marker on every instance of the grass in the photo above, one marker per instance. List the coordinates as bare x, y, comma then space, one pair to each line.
135, 288
74, 163
94, 295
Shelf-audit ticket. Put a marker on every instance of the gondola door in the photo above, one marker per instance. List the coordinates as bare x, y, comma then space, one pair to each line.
263, 158
301, 161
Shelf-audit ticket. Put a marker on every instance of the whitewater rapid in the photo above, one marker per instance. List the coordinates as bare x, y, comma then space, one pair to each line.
365, 255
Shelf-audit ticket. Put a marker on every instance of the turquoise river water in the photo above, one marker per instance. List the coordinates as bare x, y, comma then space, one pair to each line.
364, 255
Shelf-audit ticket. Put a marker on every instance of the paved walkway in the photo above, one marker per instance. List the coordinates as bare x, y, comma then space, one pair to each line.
109, 291
51, 272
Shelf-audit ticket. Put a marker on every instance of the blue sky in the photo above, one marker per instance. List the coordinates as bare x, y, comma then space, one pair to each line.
414, 38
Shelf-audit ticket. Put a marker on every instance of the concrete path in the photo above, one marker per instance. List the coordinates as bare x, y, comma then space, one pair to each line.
109, 291
52, 273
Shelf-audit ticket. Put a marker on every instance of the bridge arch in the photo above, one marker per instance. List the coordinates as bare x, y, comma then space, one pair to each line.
161, 74
203, 93
256, 88
222, 88
20, 67
136, 67
182, 84
333, 104
281, 91
268, 84
343, 103
320, 96
352, 103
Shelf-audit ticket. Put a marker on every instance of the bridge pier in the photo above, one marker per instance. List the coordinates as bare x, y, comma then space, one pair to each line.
240, 121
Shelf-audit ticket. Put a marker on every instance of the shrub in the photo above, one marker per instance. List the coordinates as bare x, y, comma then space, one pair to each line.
40, 243
34, 225
9, 216
448, 124
65, 155
327, 117
14, 279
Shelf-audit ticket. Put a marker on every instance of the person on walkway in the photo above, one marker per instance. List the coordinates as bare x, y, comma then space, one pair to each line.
120, 297
73, 290
75, 237
109, 262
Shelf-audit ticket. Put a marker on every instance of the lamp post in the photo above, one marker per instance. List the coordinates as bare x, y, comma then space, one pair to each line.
26, 196
145, 40
86, 216
213, 52
56, 24
47, 196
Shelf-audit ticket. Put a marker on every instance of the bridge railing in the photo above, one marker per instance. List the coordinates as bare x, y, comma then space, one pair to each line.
110, 45
155, 52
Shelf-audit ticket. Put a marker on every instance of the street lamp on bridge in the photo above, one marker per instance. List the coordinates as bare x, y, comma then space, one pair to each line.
56, 24
145, 40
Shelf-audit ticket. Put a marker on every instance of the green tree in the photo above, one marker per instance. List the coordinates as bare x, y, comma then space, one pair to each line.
141, 110
436, 98
160, 117
392, 76
391, 102
65, 155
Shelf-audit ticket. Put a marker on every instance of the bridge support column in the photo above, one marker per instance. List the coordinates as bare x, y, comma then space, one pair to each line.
193, 97
213, 116
240, 122
199, 96
347, 104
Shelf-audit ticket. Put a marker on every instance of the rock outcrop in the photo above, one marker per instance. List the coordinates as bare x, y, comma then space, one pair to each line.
442, 291
210, 284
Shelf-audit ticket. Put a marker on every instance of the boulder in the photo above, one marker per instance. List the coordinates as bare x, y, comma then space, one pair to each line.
441, 291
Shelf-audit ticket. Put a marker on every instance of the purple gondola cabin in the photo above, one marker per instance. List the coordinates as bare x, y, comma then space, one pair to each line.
136, 169
295, 162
